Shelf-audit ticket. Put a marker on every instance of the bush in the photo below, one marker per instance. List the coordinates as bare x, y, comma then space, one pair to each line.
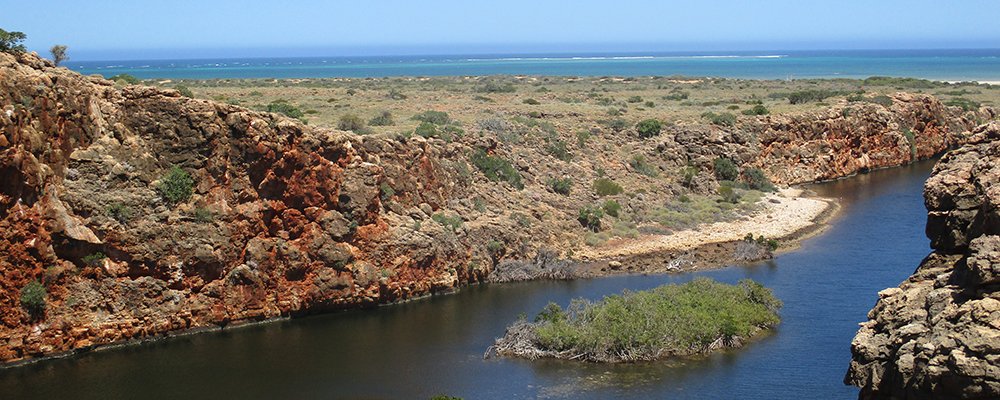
120, 212
452, 223
282, 107
606, 187
177, 186
677, 96
883, 100
33, 299
495, 87
396, 95
557, 148
590, 218
125, 78
728, 194
184, 91
725, 169
94, 259
434, 117
58, 54
963, 103
756, 180
688, 174
496, 169
648, 128
615, 124
612, 208
531, 102
351, 122
721, 119
758, 109
12, 42
639, 164
670, 320
562, 186
427, 130
384, 118
634, 99
811, 95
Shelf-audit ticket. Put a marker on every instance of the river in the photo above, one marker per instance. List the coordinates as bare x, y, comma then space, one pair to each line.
435, 345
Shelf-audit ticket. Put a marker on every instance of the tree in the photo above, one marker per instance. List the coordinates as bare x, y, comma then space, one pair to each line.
11, 42
58, 54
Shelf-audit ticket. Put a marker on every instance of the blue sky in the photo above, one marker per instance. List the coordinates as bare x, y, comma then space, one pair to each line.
104, 29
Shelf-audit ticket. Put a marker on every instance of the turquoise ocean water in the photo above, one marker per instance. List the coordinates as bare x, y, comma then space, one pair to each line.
951, 65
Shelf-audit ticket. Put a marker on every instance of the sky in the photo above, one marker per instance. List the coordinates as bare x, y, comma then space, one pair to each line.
123, 30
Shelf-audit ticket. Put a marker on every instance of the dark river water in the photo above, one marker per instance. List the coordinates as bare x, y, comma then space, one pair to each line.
435, 346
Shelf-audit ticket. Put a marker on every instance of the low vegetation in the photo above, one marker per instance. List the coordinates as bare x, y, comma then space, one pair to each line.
668, 321
496, 169
177, 186
33, 299
606, 187
648, 128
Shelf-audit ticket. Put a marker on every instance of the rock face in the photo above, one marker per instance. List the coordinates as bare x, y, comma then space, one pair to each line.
286, 219
938, 334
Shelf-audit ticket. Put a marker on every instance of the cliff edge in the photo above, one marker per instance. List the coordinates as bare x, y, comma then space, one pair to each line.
937, 335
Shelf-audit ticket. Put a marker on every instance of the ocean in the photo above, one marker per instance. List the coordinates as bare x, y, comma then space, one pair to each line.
947, 65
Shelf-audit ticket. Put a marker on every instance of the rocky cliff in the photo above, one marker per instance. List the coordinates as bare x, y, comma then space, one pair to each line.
938, 334
286, 219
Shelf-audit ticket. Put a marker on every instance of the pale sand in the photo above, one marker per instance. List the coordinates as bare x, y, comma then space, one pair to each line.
789, 216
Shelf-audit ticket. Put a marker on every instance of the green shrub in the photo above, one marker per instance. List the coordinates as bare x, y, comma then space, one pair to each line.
452, 223
184, 91
203, 215
649, 104
94, 259
648, 128
729, 194
282, 107
615, 124
562, 186
384, 118
590, 218
606, 187
557, 148
351, 122
386, 192
883, 100
756, 180
899, 82
582, 137
612, 208
674, 319
688, 174
496, 169
495, 87
125, 78
33, 299
634, 99
812, 95
963, 103
721, 119
758, 109
639, 164
434, 117
177, 186
677, 96
531, 102
120, 212
725, 169
427, 130
396, 95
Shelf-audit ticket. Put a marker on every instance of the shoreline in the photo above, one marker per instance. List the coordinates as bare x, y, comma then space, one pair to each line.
798, 217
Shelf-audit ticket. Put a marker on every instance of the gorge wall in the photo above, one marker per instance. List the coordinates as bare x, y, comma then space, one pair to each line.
287, 219
937, 336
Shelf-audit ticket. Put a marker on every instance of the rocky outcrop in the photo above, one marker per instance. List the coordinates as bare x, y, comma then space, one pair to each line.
288, 219
938, 334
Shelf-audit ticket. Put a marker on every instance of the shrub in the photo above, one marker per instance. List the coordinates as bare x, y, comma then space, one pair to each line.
758, 109
282, 107
434, 117
811, 95
12, 42
427, 130
670, 320
125, 78
612, 208
557, 148
615, 124
496, 169
582, 136
634, 99
688, 174
590, 218
756, 180
495, 125
677, 96
120, 212
396, 95
721, 119
648, 128
453, 222
33, 299
384, 118
184, 91
963, 103
202, 215
606, 187
883, 100
562, 186
639, 164
728, 194
94, 259
351, 122
531, 102
495, 87
725, 169
899, 82
649, 104
58, 54
177, 186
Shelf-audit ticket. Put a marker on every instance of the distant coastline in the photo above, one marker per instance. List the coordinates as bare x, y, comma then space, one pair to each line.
982, 65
